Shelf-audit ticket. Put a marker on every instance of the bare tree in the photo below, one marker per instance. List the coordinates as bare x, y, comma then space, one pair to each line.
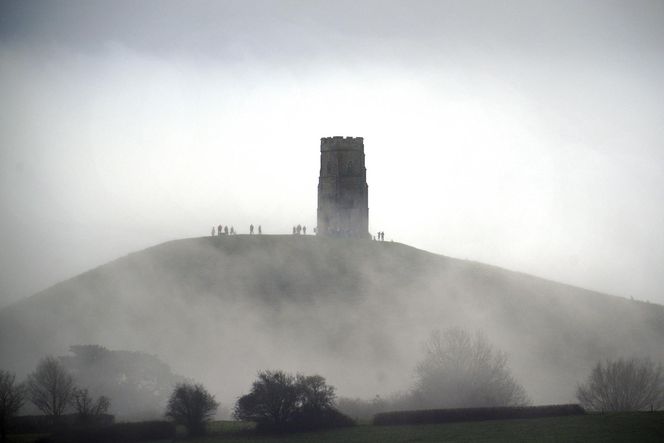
191, 405
86, 407
460, 370
12, 396
623, 385
50, 387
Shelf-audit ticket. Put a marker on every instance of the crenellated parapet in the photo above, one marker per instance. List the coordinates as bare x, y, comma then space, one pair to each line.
338, 142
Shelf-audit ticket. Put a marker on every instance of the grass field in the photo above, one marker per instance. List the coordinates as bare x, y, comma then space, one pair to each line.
626, 427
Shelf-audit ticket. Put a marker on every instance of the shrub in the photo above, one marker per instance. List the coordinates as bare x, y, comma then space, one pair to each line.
191, 405
41, 424
272, 402
117, 433
623, 385
308, 420
474, 414
283, 402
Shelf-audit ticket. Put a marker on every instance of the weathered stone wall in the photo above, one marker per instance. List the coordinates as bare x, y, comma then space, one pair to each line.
343, 203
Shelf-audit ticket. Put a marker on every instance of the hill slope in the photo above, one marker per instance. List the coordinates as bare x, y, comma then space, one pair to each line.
220, 308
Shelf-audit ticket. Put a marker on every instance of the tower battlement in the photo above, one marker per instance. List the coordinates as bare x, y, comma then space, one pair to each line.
338, 142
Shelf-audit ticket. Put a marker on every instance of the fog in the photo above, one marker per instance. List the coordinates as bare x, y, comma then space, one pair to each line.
522, 134
526, 135
219, 309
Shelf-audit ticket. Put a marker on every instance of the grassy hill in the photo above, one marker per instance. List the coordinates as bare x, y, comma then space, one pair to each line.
220, 308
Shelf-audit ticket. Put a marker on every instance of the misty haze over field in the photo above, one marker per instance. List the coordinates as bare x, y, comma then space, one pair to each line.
516, 135
523, 134
219, 309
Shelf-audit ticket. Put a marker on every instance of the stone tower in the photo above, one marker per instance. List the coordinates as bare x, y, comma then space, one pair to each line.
343, 203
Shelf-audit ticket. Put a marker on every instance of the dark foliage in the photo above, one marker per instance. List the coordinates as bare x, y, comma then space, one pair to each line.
474, 414
623, 385
273, 400
193, 406
283, 402
41, 424
12, 396
117, 433
311, 419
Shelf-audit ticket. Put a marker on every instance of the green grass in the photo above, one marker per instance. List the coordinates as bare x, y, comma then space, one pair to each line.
229, 427
626, 427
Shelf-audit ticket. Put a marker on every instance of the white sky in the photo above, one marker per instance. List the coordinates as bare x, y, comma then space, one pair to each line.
524, 134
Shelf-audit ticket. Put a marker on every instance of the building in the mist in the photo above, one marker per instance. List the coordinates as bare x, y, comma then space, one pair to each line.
343, 194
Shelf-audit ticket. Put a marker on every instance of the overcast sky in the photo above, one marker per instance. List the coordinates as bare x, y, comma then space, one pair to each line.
523, 134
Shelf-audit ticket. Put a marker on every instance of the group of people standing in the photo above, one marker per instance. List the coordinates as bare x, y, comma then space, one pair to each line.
297, 230
300, 230
223, 230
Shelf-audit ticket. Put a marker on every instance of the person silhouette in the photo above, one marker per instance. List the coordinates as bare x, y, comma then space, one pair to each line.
299, 229
251, 229
218, 230
304, 230
260, 231
212, 231
232, 230
226, 230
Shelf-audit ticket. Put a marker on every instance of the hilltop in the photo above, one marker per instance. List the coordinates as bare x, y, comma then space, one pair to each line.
218, 309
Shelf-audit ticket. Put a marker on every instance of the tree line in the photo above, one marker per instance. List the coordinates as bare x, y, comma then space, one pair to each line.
464, 370
459, 369
51, 389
